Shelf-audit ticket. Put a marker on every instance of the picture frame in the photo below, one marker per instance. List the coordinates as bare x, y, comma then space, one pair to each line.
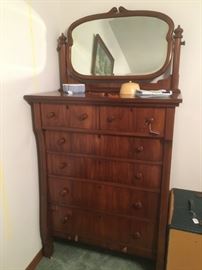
102, 59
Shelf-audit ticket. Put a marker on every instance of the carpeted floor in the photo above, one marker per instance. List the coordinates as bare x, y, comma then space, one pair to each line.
75, 257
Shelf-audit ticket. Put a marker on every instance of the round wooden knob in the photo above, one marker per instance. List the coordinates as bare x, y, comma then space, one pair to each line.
64, 192
63, 165
110, 119
51, 115
140, 149
61, 141
136, 235
138, 175
137, 205
83, 116
65, 219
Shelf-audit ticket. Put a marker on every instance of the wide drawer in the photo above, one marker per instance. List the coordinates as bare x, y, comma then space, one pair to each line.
146, 176
102, 197
85, 225
105, 145
71, 116
147, 121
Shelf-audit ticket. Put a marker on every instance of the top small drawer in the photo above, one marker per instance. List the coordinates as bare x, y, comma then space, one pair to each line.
147, 121
72, 116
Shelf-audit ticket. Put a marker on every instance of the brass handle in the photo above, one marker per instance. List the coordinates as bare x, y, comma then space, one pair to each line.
83, 116
138, 175
110, 119
61, 141
51, 115
137, 205
140, 149
137, 235
64, 192
63, 165
149, 122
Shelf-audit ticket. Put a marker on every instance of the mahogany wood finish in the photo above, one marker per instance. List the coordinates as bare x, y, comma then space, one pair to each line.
104, 161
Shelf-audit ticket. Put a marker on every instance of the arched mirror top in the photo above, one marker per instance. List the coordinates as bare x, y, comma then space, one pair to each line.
119, 45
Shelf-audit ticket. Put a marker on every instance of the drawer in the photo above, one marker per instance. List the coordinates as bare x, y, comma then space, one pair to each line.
131, 147
146, 121
84, 225
108, 198
59, 141
65, 165
105, 145
71, 116
138, 175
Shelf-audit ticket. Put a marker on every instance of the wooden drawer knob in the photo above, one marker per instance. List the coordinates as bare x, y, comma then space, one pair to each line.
65, 219
137, 205
64, 192
138, 176
139, 149
125, 249
137, 235
51, 115
110, 119
83, 116
61, 141
63, 165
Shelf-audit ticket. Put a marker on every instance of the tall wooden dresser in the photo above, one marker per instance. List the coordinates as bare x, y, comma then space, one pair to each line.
104, 160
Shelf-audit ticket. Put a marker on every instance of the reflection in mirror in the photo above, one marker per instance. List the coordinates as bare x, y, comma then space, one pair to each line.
137, 44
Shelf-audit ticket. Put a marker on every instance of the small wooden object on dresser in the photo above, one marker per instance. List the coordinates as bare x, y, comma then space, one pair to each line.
104, 161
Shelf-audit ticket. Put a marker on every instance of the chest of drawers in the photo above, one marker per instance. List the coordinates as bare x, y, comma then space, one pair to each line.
104, 171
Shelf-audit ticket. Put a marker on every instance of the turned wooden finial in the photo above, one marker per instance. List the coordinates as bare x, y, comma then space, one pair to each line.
178, 34
61, 40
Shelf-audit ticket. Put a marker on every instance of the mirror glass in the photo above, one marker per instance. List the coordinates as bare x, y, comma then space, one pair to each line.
120, 46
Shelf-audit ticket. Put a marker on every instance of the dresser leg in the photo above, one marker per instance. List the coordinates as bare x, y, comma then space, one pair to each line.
48, 248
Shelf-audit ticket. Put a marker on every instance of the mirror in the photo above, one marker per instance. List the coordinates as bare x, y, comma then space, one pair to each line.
121, 46
107, 49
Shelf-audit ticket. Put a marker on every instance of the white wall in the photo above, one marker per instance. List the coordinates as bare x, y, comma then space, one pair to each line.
28, 65
29, 44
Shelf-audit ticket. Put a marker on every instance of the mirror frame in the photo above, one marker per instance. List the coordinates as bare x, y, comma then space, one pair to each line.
171, 64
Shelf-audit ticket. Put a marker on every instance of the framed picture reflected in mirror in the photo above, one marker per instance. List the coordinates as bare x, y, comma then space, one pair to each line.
102, 59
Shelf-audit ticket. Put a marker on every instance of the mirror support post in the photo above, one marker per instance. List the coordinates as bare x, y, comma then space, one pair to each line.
62, 51
176, 58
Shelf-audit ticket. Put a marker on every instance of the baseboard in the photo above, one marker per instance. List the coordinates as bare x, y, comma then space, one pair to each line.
35, 261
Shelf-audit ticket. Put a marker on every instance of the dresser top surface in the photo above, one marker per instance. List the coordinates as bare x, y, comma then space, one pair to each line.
102, 98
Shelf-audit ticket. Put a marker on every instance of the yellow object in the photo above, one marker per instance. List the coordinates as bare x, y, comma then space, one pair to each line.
184, 251
129, 89
184, 247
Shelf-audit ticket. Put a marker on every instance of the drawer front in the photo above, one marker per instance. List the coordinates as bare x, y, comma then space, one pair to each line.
65, 165
54, 115
106, 198
82, 116
130, 147
105, 145
85, 225
137, 175
146, 121
71, 116
72, 142
58, 141
59, 191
